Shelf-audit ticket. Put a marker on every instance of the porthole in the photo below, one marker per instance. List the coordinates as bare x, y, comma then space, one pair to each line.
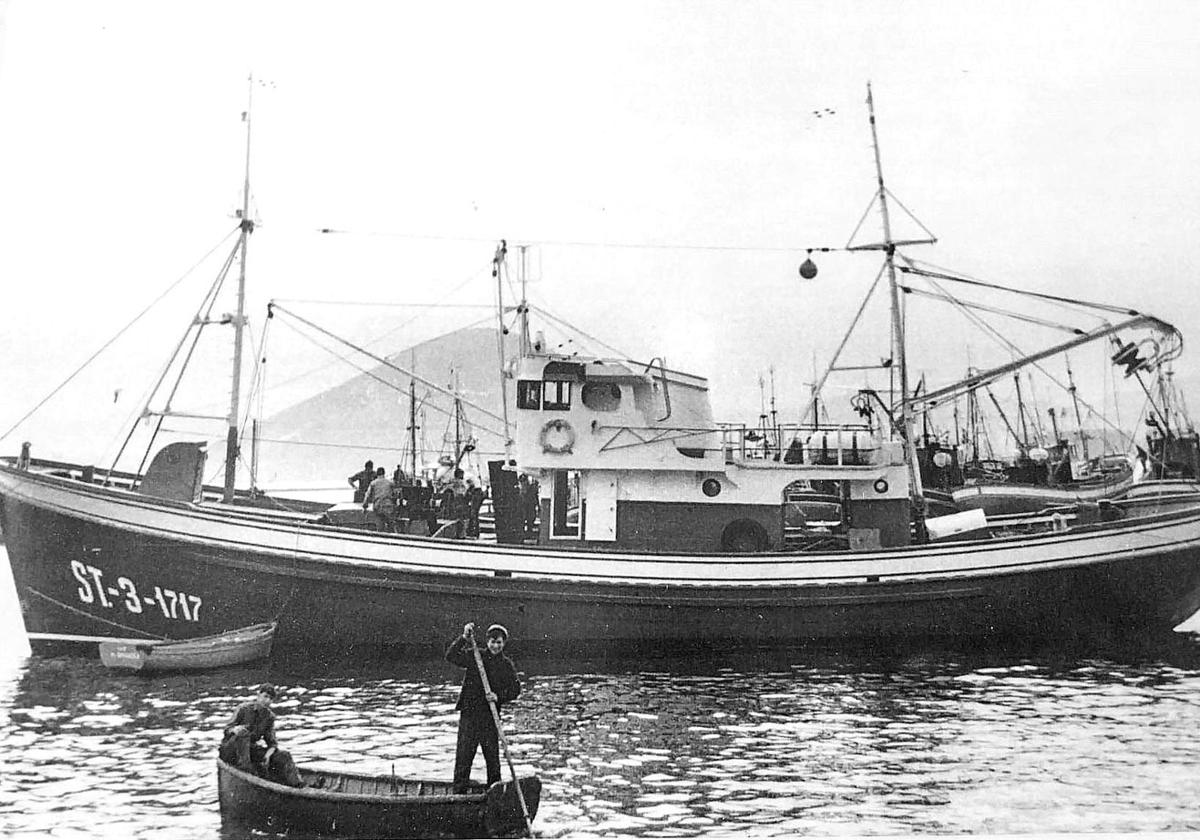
601, 396
881, 485
711, 487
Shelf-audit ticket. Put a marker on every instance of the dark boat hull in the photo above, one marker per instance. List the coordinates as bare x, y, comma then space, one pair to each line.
91, 563
355, 805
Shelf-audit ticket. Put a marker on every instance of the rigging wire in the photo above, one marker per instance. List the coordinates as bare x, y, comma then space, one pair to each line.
384, 304
380, 338
583, 243
119, 333
368, 372
910, 213
209, 300
1103, 307
1172, 352
863, 218
995, 310
563, 323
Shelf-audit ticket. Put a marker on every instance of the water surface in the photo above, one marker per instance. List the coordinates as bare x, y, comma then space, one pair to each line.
760, 743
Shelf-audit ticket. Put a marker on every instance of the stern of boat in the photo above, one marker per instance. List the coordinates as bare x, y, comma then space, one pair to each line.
504, 816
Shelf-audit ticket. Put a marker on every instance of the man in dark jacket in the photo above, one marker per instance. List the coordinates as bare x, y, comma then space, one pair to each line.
249, 741
360, 481
476, 728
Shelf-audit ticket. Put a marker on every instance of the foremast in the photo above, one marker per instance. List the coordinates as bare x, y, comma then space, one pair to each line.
239, 320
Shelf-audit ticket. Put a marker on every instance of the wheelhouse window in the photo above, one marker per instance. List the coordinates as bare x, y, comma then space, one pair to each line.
556, 396
529, 394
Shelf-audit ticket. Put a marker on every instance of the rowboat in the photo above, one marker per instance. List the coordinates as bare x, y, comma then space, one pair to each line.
233, 647
343, 804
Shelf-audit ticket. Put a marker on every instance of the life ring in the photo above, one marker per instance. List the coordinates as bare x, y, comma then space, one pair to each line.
557, 436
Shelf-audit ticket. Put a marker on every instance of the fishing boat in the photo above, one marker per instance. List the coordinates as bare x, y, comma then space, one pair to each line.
1000, 498
344, 804
658, 525
1041, 475
233, 647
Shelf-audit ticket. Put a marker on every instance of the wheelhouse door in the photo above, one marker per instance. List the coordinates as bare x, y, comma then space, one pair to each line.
600, 506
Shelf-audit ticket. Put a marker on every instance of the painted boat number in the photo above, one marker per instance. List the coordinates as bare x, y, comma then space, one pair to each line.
92, 589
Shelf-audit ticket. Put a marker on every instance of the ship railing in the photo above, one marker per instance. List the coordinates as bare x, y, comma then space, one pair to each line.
846, 444
88, 474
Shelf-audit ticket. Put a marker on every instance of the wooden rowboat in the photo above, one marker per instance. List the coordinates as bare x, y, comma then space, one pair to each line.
336, 803
233, 647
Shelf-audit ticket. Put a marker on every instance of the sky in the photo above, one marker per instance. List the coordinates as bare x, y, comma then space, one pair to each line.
667, 164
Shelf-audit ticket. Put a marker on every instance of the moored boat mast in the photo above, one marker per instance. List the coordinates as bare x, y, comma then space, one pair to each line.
1083, 438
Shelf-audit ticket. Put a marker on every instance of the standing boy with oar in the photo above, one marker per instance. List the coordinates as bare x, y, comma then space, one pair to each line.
476, 726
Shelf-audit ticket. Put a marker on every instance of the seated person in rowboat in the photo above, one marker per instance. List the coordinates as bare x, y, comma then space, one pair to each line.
249, 743
476, 726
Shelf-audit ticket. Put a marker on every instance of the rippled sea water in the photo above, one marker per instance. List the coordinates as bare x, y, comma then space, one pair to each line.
794, 742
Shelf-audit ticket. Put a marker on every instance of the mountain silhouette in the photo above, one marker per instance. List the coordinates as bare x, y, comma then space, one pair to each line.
327, 437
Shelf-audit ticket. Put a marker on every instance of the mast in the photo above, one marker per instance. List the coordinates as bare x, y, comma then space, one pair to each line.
412, 422
774, 413
973, 422
813, 393
1007, 423
497, 262
957, 429
762, 413
1023, 443
254, 457
525, 346
239, 320
1078, 418
457, 422
901, 362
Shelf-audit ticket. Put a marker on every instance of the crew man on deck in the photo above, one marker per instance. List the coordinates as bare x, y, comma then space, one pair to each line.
361, 480
476, 727
381, 499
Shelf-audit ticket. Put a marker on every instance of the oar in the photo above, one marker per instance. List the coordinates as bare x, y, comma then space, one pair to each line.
487, 689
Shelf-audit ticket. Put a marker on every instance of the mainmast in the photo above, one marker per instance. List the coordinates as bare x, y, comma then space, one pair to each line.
900, 361
239, 320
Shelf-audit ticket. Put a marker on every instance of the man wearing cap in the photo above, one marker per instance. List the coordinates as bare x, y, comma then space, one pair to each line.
249, 741
476, 728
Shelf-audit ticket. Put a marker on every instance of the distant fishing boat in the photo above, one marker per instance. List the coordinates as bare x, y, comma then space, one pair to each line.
233, 647
1002, 498
343, 804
